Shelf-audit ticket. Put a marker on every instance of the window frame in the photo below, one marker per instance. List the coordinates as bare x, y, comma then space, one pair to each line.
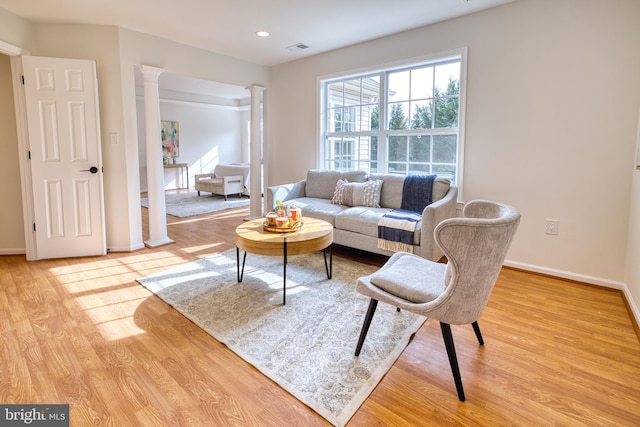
382, 132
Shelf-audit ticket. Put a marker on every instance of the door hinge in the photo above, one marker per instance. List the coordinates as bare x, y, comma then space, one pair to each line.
29, 154
34, 226
22, 79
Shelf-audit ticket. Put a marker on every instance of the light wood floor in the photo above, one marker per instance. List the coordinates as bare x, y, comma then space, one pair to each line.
83, 332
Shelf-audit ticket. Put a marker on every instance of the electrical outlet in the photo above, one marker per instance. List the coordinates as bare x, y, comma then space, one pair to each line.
551, 226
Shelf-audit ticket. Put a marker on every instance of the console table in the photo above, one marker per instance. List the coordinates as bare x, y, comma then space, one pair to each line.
179, 166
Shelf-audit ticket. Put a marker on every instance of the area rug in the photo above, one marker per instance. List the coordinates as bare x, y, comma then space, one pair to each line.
190, 204
306, 346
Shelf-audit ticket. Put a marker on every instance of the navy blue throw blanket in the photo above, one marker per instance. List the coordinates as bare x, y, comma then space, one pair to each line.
397, 227
417, 192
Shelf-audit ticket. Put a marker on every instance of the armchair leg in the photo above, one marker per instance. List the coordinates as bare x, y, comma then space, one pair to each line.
198, 192
225, 197
453, 360
365, 326
476, 328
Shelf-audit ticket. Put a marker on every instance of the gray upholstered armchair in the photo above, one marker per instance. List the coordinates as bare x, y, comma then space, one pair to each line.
455, 293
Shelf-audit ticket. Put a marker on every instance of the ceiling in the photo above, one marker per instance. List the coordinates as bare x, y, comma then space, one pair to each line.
229, 26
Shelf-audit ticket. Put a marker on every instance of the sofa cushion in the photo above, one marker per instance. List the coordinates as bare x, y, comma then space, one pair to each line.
391, 193
440, 189
322, 183
364, 220
317, 208
357, 193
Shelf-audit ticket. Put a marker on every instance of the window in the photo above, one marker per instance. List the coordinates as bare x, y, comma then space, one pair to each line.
402, 120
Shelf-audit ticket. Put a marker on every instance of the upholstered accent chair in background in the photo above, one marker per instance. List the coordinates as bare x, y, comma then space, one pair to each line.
454, 293
225, 180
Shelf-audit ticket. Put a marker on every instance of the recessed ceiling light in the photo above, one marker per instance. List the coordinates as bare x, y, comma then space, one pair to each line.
262, 33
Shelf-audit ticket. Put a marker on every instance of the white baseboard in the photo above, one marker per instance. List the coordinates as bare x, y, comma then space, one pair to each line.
632, 305
566, 275
582, 278
13, 251
126, 248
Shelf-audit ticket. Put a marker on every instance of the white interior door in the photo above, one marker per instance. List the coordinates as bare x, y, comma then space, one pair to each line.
65, 156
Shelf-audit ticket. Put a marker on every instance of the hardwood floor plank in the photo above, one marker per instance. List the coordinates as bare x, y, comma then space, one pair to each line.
82, 331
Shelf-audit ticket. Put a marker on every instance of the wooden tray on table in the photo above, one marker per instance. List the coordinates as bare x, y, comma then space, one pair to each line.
272, 228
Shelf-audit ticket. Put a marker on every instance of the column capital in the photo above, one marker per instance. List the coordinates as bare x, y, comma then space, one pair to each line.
255, 89
149, 73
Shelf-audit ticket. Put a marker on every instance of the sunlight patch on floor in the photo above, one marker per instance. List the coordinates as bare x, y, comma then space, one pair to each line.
200, 248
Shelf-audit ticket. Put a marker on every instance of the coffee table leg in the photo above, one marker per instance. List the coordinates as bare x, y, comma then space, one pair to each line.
284, 274
244, 258
328, 268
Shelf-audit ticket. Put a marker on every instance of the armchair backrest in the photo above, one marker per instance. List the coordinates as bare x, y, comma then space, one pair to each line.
232, 170
476, 246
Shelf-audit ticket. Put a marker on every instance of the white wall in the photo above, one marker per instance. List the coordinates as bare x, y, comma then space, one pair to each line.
209, 134
16, 30
552, 102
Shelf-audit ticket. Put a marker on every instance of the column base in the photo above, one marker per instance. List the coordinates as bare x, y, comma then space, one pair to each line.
158, 242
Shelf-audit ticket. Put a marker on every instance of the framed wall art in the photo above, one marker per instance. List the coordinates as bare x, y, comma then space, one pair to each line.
170, 132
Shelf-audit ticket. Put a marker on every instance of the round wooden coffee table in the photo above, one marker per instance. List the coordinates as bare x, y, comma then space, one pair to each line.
315, 235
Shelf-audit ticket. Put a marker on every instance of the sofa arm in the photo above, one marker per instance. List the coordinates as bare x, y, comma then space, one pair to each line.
204, 176
433, 215
285, 192
233, 179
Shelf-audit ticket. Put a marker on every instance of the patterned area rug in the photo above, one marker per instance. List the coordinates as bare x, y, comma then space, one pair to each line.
190, 204
306, 346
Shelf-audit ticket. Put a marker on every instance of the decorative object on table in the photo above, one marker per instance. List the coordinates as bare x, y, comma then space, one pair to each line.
183, 205
306, 346
170, 135
280, 209
294, 212
283, 219
270, 219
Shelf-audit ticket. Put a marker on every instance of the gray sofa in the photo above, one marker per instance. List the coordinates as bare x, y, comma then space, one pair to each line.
357, 226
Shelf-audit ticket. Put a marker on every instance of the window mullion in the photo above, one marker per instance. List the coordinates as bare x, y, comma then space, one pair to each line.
382, 128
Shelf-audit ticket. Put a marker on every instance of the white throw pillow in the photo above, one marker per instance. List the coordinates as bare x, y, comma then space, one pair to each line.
358, 193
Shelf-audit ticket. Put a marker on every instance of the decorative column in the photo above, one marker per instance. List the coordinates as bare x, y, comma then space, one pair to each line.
155, 172
255, 145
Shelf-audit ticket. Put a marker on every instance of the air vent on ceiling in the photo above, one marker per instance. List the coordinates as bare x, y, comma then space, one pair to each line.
297, 47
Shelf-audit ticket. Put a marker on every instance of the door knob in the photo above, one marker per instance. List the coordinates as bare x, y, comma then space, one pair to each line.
92, 169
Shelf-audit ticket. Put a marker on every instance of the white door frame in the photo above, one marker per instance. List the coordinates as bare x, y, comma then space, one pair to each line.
14, 53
